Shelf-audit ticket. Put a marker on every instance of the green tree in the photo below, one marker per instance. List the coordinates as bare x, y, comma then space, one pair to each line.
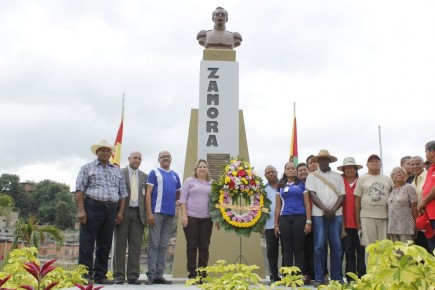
33, 234
65, 216
53, 204
10, 184
7, 204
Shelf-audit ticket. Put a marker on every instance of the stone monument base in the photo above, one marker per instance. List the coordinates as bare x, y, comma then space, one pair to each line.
223, 245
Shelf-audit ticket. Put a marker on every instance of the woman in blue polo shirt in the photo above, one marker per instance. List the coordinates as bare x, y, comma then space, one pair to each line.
292, 216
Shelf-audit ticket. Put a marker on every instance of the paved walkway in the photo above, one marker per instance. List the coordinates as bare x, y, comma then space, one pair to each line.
177, 284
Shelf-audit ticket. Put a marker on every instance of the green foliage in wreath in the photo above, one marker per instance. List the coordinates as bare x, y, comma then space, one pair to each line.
238, 199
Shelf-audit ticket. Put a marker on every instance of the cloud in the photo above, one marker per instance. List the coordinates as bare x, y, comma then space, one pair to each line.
349, 66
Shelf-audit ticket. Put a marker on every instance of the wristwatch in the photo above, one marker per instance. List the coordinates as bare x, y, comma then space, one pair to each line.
309, 222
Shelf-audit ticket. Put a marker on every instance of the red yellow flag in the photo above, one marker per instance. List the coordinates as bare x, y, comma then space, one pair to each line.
294, 142
116, 156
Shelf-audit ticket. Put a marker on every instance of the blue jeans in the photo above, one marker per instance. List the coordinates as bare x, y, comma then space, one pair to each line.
327, 230
159, 235
98, 230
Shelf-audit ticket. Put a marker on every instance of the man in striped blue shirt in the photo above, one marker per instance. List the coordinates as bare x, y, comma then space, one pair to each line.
162, 194
100, 188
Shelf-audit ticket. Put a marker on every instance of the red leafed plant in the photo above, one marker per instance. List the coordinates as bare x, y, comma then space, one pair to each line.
39, 274
89, 287
3, 281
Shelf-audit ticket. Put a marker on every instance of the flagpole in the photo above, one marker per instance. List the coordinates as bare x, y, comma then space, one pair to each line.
117, 158
294, 139
380, 146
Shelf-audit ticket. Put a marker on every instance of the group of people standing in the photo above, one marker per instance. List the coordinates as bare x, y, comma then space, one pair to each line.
313, 208
121, 202
316, 208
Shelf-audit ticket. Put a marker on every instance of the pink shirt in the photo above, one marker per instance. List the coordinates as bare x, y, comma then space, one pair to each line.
195, 194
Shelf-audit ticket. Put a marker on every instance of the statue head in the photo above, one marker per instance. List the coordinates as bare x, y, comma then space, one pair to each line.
220, 17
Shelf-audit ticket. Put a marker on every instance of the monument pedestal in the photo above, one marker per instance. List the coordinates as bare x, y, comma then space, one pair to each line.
216, 133
223, 245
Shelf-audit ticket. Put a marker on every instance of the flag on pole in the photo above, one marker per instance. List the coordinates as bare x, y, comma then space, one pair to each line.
116, 156
294, 141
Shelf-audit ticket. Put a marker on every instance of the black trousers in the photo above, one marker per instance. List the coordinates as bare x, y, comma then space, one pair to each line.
272, 245
197, 233
292, 229
354, 253
98, 231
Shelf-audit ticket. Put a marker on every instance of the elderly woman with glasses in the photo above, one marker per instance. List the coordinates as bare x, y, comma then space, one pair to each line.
402, 208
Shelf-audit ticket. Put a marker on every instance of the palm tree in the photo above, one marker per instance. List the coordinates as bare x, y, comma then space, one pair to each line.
33, 234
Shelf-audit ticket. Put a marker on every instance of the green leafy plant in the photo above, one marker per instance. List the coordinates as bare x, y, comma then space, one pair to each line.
20, 260
394, 265
291, 277
227, 276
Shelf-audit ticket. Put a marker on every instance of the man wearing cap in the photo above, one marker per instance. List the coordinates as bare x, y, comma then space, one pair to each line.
132, 228
427, 202
326, 189
162, 195
353, 250
100, 188
371, 195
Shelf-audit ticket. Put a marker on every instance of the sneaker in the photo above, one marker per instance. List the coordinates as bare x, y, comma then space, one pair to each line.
134, 282
161, 280
274, 279
307, 280
104, 281
150, 281
318, 283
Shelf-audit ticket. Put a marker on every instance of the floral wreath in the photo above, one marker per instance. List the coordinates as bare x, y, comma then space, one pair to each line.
238, 183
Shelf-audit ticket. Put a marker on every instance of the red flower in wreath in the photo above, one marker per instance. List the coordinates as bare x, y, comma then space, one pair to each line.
241, 173
231, 184
252, 182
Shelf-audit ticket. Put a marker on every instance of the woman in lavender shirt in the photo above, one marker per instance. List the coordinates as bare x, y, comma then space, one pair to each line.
195, 217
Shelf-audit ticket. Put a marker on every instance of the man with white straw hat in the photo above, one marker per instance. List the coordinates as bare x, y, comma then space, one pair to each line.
100, 186
326, 189
353, 250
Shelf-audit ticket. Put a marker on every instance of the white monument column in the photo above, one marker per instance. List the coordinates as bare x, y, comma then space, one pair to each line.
218, 116
216, 133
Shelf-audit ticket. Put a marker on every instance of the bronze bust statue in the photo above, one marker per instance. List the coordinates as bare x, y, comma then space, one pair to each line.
219, 38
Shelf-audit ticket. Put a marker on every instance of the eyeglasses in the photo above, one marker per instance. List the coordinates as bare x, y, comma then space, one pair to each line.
165, 156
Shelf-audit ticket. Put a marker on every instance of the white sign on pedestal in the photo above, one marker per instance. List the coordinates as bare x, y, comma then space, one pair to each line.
218, 119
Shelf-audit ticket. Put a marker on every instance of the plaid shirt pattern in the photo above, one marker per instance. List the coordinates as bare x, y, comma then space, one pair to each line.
100, 182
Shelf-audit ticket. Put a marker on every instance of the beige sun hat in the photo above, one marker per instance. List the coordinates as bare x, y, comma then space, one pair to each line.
324, 153
349, 161
102, 144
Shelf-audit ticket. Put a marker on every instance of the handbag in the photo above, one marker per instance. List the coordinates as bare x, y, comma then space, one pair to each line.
331, 186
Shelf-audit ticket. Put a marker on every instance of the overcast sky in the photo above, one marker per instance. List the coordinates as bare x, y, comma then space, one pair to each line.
350, 66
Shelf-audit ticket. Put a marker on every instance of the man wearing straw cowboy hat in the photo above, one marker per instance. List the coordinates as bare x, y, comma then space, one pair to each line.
326, 189
100, 186
354, 251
